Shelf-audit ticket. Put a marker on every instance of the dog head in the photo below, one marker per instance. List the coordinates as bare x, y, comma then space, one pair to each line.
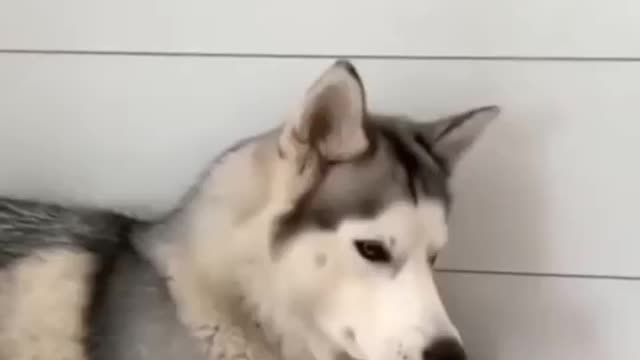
354, 257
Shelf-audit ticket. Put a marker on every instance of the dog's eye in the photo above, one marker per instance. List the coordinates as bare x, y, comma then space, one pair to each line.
373, 250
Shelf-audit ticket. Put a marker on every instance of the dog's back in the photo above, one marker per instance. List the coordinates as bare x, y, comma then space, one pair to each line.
29, 227
72, 288
50, 258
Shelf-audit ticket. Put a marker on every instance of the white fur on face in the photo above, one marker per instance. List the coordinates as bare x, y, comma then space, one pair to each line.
373, 311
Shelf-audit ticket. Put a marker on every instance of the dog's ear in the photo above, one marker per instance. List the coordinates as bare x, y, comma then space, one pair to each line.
330, 118
451, 137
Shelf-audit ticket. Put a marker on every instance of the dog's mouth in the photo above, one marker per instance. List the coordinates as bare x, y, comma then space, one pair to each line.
345, 355
353, 351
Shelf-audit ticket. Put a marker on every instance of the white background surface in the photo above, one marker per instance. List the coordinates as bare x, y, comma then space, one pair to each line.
546, 212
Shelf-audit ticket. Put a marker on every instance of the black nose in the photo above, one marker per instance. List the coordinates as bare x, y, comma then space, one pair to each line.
444, 349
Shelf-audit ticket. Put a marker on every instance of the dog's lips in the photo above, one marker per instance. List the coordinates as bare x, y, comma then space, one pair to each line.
353, 357
355, 352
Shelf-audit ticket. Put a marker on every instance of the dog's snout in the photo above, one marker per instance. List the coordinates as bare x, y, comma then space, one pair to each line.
444, 349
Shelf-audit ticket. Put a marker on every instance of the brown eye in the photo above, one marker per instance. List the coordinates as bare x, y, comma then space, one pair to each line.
373, 250
432, 259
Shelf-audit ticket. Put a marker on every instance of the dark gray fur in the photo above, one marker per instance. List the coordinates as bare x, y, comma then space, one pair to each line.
400, 165
27, 226
135, 318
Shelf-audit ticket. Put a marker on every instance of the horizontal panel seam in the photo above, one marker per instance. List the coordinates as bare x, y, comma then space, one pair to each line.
539, 274
320, 56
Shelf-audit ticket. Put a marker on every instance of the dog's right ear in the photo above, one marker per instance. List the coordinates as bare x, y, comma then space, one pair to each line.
330, 119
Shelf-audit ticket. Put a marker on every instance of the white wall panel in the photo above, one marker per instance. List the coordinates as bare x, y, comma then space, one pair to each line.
551, 188
533, 318
593, 28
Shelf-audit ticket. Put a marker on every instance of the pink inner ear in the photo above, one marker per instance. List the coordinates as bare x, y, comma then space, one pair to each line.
318, 122
331, 118
336, 123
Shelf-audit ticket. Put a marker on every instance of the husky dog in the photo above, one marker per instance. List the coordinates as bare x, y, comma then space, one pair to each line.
314, 240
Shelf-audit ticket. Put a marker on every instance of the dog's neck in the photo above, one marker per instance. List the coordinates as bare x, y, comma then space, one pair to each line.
216, 251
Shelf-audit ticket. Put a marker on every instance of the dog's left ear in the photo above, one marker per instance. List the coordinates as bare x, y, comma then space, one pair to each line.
330, 118
450, 138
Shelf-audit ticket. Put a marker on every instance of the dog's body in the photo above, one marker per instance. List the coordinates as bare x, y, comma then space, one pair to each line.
311, 241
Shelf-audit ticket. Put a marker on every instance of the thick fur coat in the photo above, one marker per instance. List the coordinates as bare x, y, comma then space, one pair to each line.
314, 240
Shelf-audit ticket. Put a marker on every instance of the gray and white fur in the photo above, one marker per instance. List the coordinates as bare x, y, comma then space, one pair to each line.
313, 240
